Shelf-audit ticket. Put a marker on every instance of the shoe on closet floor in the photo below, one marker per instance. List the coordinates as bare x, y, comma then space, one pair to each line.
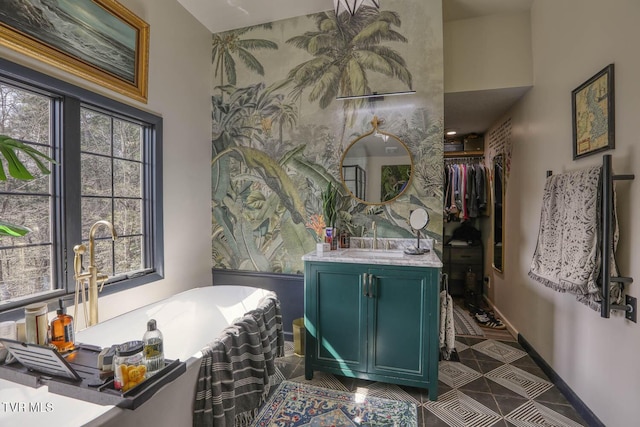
486, 319
493, 322
481, 317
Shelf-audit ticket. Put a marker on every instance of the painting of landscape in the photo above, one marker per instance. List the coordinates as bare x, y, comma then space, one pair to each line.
79, 28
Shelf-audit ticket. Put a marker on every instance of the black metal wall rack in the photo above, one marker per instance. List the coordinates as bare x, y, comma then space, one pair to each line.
606, 239
607, 227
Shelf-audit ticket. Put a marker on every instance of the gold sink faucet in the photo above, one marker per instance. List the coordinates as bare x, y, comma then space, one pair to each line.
91, 275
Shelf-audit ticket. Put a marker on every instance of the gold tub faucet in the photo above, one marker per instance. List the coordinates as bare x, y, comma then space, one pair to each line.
91, 275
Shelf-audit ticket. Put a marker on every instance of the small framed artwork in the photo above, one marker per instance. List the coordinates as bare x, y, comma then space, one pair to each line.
394, 180
98, 40
592, 104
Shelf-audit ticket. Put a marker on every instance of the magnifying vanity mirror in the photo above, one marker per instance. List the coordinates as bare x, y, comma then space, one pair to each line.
376, 167
418, 220
498, 212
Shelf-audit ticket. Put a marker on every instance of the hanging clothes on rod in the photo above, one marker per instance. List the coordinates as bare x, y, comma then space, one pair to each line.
466, 188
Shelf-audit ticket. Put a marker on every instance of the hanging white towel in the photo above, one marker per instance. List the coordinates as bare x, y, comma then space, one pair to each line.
447, 328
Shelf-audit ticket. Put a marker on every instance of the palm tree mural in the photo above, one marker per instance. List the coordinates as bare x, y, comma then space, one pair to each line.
344, 48
286, 115
228, 43
258, 209
272, 157
255, 203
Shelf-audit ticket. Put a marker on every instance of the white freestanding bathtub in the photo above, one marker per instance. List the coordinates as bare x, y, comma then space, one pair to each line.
188, 321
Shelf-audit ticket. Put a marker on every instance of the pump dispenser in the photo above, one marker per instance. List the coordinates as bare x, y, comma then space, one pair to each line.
62, 330
153, 349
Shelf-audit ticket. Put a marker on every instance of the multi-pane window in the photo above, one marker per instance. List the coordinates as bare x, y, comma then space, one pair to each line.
25, 262
112, 172
108, 167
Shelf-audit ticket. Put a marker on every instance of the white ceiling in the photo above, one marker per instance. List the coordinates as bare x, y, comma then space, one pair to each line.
453, 10
223, 15
468, 111
475, 112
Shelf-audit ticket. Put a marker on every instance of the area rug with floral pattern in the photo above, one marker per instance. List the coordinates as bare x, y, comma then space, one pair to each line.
301, 405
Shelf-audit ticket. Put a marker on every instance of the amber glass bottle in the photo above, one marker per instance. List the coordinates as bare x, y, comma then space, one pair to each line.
62, 331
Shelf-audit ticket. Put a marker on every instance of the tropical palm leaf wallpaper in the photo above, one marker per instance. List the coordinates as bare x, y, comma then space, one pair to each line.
278, 132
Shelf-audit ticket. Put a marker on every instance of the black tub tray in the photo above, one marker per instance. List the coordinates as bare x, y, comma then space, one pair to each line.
76, 375
108, 395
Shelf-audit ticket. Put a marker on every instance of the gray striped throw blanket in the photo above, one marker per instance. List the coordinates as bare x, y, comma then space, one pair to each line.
567, 256
236, 368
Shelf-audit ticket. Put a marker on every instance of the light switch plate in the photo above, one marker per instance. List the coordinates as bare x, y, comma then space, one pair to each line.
631, 314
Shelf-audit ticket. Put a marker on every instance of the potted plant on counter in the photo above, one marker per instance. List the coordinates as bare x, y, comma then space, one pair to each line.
329, 201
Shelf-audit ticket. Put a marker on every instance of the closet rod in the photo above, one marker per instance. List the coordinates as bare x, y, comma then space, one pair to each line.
457, 154
607, 244
463, 159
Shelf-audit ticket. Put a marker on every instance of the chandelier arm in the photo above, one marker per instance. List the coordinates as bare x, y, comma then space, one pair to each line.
352, 6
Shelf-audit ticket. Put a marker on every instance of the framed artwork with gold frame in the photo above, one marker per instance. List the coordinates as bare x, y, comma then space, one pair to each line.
593, 114
98, 40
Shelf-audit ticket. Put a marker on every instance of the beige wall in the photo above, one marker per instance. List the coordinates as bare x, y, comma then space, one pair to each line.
489, 52
179, 91
572, 40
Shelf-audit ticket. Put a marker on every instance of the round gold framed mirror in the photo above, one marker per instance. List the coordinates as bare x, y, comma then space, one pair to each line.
376, 167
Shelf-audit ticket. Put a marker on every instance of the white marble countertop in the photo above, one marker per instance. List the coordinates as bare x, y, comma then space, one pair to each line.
376, 256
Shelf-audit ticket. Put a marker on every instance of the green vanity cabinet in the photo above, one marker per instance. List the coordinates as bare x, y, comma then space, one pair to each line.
376, 322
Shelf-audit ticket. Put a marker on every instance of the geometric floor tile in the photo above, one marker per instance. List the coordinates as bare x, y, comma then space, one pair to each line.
456, 374
466, 399
389, 391
322, 379
459, 410
276, 378
460, 346
515, 379
502, 352
533, 414
288, 347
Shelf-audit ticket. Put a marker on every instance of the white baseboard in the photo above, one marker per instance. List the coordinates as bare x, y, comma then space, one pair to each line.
504, 320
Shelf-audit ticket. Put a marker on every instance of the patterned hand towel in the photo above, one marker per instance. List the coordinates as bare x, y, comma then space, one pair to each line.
567, 256
447, 328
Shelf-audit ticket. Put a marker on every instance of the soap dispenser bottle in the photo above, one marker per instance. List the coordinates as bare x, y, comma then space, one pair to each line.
153, 349
62, 330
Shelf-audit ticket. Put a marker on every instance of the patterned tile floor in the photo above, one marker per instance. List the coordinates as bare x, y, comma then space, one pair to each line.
495, 384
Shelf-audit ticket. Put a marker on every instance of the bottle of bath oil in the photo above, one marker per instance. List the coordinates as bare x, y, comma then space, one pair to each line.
62, 330
153, 349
